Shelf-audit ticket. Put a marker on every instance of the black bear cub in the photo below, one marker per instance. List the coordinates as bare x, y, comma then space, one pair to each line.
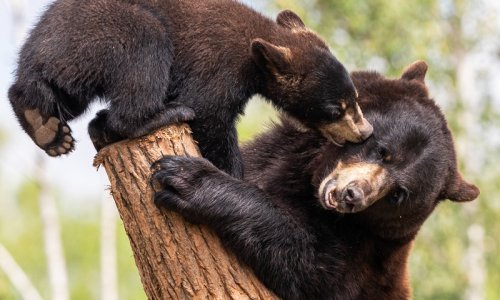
318, 221
160, 62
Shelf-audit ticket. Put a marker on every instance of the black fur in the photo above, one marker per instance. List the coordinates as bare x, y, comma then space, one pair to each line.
273, 220
159, 62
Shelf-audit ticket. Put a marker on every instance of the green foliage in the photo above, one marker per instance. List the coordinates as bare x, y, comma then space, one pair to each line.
128, 276
489, 208
438, 253
81, 246
7, 291
259, 116
20, 232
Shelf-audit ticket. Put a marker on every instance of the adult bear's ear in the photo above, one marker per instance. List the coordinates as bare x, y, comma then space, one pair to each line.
459, 190
270, 57
288, 19
415, 71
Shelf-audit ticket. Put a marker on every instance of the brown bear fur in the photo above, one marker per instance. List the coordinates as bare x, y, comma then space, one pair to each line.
318, 221
161, 62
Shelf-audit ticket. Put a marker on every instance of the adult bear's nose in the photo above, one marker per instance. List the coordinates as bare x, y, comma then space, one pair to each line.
353, 197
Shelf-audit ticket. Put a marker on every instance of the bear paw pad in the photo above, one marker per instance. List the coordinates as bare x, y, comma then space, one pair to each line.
50, 134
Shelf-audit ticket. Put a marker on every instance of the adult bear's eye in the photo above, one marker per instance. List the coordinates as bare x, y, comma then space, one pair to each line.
383, 154
399, 195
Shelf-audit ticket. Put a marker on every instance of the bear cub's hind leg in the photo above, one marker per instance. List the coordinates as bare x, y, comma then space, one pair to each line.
100, 134
173, 112
49, 133
101, 130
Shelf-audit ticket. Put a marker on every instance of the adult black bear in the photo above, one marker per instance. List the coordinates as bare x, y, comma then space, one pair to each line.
160, 62
317, 221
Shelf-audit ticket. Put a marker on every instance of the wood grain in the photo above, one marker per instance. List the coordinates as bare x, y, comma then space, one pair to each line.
176, 259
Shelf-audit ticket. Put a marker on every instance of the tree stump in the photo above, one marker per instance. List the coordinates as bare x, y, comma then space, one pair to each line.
176, 259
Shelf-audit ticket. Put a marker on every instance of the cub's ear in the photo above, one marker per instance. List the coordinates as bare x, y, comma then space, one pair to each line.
270, 57
459, 190
288, 19
415, 71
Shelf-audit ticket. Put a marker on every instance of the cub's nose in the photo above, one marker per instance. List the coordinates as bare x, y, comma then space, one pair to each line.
362, 125
365, 129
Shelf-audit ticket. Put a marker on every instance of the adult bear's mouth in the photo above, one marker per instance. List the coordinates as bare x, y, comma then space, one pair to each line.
349, 199
328, 199
351, 188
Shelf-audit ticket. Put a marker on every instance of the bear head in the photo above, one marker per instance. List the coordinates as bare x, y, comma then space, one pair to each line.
394, 180
306, 81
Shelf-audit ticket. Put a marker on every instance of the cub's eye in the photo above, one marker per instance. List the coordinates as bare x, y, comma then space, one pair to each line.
399, 195
333, 111
383, 154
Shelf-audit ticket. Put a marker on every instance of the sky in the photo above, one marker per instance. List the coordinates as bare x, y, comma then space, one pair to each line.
72, 176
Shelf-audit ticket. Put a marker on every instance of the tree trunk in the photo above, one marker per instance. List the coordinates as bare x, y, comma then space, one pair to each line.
176, 259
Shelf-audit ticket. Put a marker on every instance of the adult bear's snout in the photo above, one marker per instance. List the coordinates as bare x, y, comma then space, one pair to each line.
353, 187
353, 197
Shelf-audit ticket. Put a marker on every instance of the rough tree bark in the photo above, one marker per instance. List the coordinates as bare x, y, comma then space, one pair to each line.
176, 259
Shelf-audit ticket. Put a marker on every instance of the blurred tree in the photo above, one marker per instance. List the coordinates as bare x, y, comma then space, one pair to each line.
20, 232
51, 230
17, 276
109, 269
3, 138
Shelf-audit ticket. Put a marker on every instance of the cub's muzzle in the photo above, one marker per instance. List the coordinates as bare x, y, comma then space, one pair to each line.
352, 127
